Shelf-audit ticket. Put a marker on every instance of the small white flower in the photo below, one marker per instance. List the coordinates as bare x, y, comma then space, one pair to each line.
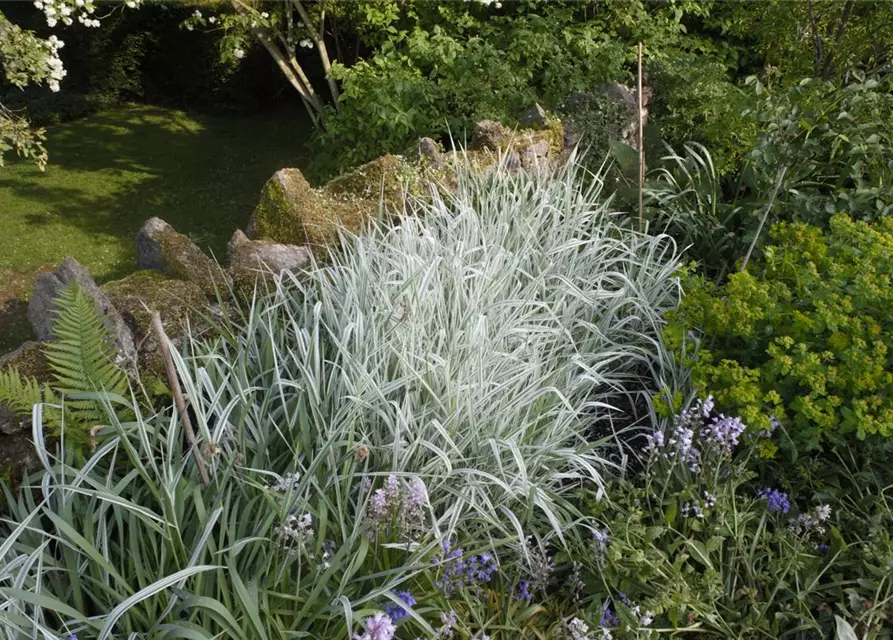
498, 5
52, 23
68, 21
39, 5
306, 43
264, 15
189, 27
79, 3
239, 54
197, 13
212, 19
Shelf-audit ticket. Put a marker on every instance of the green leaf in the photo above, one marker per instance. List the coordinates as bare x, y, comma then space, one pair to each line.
671, 512
699, 552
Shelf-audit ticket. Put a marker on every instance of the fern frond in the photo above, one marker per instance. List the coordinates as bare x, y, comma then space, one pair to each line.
80, 358
20, 393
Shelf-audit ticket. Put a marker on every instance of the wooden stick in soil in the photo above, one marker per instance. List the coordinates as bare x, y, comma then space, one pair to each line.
765, 215
641, 106
161, 336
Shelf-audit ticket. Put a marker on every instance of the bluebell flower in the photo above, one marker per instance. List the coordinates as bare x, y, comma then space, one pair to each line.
609, 619
778, 500
522, 591
396, 611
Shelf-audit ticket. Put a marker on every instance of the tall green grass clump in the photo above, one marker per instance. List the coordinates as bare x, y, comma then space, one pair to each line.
396, 434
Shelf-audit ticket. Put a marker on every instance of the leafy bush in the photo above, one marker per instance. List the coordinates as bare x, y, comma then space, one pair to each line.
804, 335
835, 139
700, 543
695, 100
436, 393
434, 69
831, 146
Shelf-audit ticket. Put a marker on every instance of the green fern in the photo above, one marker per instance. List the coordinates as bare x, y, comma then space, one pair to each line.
80, 359
20, 393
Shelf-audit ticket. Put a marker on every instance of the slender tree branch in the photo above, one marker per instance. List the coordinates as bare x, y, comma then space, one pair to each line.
816, 39
756, 237
838, 36
320, 42
289, 66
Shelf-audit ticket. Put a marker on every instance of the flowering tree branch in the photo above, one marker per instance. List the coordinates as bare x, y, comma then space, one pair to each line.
26, 59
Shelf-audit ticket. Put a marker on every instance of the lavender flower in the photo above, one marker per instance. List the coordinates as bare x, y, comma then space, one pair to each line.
378, 627
578, 629
696, 508
448, 621
822, 548
811, 523
778, 501
288, 482
602, 540
396, 611
399, 507
296, 532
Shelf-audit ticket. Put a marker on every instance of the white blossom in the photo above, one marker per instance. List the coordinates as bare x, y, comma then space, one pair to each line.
306, 43
239, 53
212, 19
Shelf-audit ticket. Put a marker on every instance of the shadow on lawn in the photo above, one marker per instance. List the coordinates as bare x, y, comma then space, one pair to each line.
111, 172
203, 174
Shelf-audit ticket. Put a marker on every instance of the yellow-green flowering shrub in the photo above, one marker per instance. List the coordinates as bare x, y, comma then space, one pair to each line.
804, 335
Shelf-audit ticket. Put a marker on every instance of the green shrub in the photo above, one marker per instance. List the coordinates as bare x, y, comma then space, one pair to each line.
832, 142
803, 335
434, 69
695, 100
700, 543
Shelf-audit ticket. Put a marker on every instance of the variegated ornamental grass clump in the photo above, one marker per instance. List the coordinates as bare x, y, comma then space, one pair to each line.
437, 387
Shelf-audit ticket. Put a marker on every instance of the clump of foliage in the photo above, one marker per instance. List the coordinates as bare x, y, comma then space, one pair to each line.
830, 145
394, 440
695, 100
701, 542
803, 335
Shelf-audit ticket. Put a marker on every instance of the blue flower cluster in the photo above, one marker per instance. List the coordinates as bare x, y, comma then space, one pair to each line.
778, 500
458, 572
697, 431
522, 591
396, 611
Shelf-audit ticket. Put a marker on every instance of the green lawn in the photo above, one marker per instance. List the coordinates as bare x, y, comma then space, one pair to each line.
110, 172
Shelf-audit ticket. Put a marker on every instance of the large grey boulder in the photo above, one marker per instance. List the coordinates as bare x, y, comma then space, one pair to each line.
250, 258
42, 308
161, 248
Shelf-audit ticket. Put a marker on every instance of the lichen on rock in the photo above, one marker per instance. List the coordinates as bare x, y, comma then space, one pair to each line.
252, 259
160, 247
293, 212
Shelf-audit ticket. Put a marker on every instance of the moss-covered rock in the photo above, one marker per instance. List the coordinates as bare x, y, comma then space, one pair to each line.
29, 360
179, 302
253, 259
386, 179
17, 454
160, 247
292, 212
